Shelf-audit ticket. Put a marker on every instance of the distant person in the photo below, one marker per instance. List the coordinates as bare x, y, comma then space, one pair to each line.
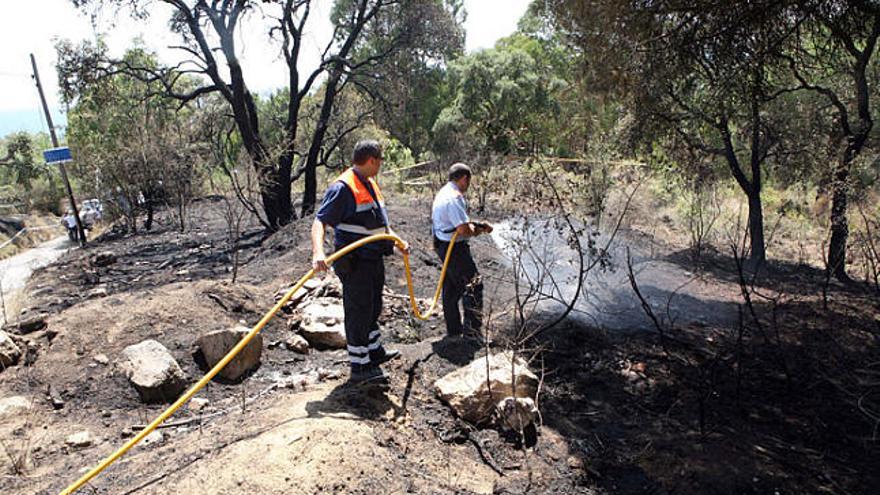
463, 282
354, 207
69, 222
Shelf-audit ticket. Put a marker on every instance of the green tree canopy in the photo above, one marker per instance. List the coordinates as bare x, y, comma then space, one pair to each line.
505, 98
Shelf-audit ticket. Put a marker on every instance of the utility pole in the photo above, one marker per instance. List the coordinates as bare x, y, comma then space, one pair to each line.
79, 226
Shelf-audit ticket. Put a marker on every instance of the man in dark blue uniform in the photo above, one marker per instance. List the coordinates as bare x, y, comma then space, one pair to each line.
353, 205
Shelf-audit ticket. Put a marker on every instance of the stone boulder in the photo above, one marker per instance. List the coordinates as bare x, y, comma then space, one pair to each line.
153, 371
54, 397
9, 352
32, 324
97, 292
327, 287
80, 440
10, 225
313, 288
297, 343
321, 323
196, 404
155, 437
213, 346
13, 406
299, 296
294, 300
312, 284
474, 398
517, 413
41, 291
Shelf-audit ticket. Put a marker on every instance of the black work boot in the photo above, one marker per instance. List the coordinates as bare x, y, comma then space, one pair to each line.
382, 355
367, 373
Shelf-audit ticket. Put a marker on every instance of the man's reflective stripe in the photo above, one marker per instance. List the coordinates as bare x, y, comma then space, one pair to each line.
357, 349
368, 206
360, 360
358, 229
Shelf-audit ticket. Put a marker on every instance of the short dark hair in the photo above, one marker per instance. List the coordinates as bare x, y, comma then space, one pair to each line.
366, 149
459, 170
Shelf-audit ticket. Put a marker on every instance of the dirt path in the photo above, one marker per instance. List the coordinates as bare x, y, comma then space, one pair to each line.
16, 270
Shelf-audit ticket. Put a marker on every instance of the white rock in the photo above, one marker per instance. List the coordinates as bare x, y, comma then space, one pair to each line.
155, 436
517, 413
101, 359
80, 439
295, 299
297, 343
215, 345
322, 323
12, 406
474, 398
153, 371
97, 292
197, 404
312, 284
9, 352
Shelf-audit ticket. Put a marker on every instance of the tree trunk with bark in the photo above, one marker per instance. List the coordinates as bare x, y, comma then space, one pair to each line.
837, 245
756, 228
310, 191
856, 131
751, 188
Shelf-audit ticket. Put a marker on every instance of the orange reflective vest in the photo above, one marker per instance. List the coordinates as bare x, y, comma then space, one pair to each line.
370, 217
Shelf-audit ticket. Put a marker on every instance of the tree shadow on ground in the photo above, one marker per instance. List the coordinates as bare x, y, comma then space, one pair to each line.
588, 407
778, 275
641, 422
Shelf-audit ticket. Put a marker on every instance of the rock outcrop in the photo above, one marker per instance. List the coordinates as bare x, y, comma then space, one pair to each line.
9, 352
321, 323
213, 346
153, 371
474, 396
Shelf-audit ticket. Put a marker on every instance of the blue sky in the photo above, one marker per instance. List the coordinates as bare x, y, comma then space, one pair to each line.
31, 26
29, 120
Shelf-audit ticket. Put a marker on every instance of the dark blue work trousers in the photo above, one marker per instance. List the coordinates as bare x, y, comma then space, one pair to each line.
462, 283
362, 282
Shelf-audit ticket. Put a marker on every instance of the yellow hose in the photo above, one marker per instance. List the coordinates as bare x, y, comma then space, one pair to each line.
250, 335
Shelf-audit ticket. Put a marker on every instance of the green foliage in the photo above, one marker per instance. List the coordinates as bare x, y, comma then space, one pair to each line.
20, 160
47, 194
505, 97
426, 36
24, 178
132, 145
396, 155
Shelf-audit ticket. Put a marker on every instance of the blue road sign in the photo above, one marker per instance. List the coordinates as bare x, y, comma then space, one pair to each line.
57, 155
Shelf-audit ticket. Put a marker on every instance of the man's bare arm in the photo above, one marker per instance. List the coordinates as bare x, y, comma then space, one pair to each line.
319, 263
471, 229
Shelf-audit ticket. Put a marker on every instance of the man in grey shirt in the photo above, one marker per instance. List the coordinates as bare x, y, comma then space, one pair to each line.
463, 283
